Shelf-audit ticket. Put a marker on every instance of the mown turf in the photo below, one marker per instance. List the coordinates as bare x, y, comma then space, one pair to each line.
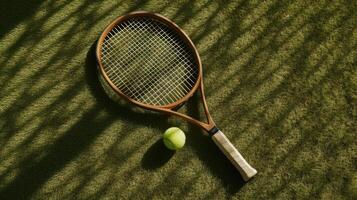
280, 80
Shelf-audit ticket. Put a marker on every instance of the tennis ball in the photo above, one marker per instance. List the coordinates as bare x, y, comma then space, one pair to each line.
174, 138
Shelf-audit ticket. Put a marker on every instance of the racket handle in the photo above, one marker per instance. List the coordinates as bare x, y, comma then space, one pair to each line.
233, 155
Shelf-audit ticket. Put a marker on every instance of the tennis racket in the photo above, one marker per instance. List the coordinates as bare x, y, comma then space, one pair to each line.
149, 61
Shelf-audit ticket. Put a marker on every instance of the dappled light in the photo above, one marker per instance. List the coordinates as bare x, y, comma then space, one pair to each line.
280, 81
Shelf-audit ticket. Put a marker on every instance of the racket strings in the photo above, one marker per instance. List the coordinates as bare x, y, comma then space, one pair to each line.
148, 62
137, 92
148, 57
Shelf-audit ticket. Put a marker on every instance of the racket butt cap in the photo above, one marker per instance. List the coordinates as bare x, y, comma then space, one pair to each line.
250, 174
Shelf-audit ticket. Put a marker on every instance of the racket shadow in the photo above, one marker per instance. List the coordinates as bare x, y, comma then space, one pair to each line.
210, 154
157, 154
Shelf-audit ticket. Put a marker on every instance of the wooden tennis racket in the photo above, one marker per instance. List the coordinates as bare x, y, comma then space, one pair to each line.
149, 61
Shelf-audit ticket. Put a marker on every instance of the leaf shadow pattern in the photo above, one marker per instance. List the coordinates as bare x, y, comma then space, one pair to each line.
35, 173
22, 9
286, 74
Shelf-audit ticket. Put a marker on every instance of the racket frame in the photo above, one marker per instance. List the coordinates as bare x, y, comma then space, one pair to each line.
218, 137
169, 108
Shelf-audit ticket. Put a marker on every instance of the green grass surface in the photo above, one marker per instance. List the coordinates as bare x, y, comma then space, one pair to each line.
280, 80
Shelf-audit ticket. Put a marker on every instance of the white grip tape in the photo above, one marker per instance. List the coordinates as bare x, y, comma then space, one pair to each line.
234, 156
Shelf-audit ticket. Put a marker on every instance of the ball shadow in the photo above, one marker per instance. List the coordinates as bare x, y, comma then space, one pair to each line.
156, 156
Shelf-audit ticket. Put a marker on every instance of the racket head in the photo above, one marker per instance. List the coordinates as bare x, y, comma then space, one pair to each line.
186, 55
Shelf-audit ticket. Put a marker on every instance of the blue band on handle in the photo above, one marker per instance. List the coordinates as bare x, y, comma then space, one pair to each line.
213, 131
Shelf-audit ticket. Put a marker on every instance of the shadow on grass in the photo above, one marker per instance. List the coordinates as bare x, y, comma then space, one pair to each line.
209, 153
36, 169
34, 174
156, 156
301, 105
16, 12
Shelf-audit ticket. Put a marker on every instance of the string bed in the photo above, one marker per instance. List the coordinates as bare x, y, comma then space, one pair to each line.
149, 62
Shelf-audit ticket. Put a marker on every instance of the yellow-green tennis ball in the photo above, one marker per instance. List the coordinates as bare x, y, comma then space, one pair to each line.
174, 138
